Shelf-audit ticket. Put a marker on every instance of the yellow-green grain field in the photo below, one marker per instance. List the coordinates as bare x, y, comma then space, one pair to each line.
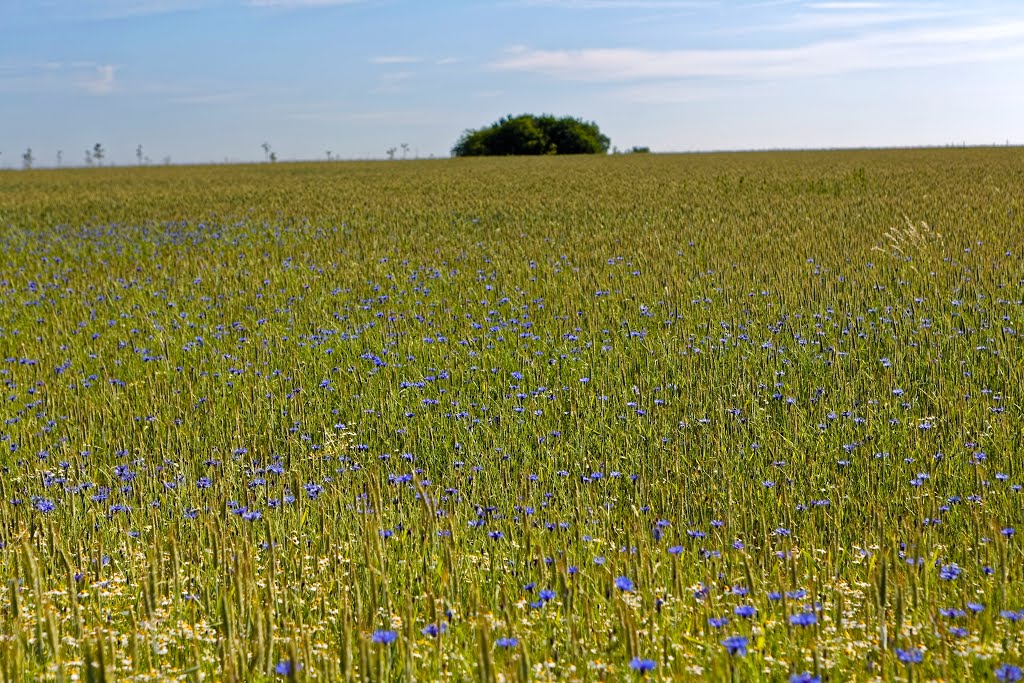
737, 417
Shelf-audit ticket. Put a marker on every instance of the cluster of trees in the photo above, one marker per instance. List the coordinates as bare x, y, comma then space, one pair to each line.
528, 134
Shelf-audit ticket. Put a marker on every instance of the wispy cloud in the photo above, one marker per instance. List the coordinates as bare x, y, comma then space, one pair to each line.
919, 47
101, 81
88, 77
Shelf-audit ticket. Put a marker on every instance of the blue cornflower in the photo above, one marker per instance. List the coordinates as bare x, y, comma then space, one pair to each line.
805, 677
803, 619
1009, 672
736, 645
624, 583
45, 505
949, 572
645, 665
384, 637
718, 622
508, 642
284, 667
433, 630
911, 656
976, 607
745, 611
546, 594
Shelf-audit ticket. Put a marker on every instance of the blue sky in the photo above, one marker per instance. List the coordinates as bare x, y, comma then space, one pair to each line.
212, 80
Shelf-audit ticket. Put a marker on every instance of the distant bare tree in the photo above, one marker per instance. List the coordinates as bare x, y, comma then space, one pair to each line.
391, 153
60, 157
266, 150
329, 157
27, 159
98, 153
138, 154
405, 149
88, 157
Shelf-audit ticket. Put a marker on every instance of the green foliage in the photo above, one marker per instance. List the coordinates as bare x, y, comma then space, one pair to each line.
530, 135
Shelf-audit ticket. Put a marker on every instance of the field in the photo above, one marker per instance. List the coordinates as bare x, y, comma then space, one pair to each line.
740, 416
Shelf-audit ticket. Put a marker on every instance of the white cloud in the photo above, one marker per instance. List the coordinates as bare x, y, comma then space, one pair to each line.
101, 81
893, 50
90, 77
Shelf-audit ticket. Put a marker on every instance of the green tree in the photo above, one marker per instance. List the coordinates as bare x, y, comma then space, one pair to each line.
528, 134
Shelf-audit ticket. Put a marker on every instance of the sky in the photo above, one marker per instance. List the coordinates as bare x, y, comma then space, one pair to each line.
189, 81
